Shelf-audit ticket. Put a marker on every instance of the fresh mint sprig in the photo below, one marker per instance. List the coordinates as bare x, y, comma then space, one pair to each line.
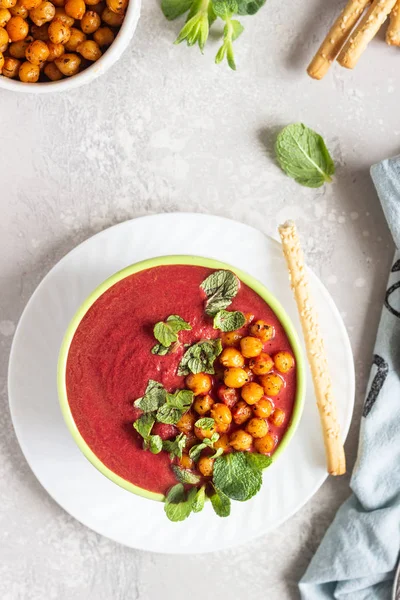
238, 475
200, 357
166, 333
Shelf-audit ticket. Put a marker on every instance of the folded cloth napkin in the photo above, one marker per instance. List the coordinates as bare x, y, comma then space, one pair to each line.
358, 555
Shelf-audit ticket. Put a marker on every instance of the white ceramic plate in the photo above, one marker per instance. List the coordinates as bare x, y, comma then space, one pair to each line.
48, 447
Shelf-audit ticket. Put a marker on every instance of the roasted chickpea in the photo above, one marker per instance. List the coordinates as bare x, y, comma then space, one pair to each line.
257, 428
1, 61
231, 338
241, 412
40, 33
58, 32
11, 67
222, 442
240, 440
17, 29
7, 3
202, 404
4, 39
117, 6
231, 357
186, 462
52, 72
205, 433
278, 417
55, 51
235, 377
199, 383
29, 73
75, 9
252, 392
250, 346
206, 466
19, 11
43, 13
77, 37
228, 396
37, 52
5, 16
62, 16
29, 4
89, 50
262, 364
68, 64
90, 22
264, 408
222, 416
271, 383
262, 330
186, 422
266, 444
284, 362
111, 18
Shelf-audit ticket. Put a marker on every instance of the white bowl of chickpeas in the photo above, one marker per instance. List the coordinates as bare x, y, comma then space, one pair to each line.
53, 46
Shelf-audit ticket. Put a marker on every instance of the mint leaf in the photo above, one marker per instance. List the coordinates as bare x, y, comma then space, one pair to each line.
144, 425
175, 447
176, 405
195, 451
199, 500
235, 477
258, 461
178, 505
197, 26
225, 8
205, 423
154, 397
226, 320
220, 288
200, 357
249, 7
166, 332
175, 8
168, 415
181, 399
160, 350
221, 504
217, 453
303, 155
185, 476
155, 444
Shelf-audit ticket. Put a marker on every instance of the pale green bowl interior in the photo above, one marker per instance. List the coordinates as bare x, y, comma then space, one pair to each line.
250, 281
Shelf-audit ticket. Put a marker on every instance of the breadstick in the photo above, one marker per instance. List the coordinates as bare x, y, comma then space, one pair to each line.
336, 37
393, 31
364, 32
336, 461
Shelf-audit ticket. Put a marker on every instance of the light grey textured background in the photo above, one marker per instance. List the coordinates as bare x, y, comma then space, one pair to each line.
167, 130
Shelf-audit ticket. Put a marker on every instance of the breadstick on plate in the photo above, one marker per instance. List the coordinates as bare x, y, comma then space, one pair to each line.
365, 32
393, 31
336, 37
336, 461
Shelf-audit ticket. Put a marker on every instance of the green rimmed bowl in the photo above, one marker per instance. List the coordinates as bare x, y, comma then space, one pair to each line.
247, 279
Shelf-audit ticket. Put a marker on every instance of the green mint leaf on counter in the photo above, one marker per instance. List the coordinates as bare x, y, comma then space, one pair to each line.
221, 503
185, 476
199, 500
175, 8
166, 332
155, 444
144, 425
160, 350
220, 288
303, 155
178, 505
175, 447
197, 27
224, 8
235, 477
154, 397
249, 7
200, 357
258, 461
232, 31
205, 423
226, 320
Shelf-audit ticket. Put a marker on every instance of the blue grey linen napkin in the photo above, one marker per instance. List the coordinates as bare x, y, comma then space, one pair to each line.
360, 550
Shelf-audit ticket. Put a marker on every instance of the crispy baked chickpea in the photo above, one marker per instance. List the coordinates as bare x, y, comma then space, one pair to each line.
11, 67
89, 50
43, 13
29, 4
90, 22
266, 444
40, 33
222, 442
250, 346
19, 11
264, 408
284, 362
262, 330
7, 3
4, 39
241, 412
257, 428
77, 37
186, 462
228, 396
75, 9
231, 357
1, 61
199, 383
58, 32
235, 377
55, 51
271, 383
62, 16
201, 434
37, 52
186, 422
222, 416
68, 64
252, 392
231, 339
240, 440
5, 16
111, 18
117, 6
262, 364
278, 417
202, 404
206, 466
52, 72
29, 73
17, 29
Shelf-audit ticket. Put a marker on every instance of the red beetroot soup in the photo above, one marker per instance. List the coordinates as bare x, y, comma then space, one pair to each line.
110, 363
